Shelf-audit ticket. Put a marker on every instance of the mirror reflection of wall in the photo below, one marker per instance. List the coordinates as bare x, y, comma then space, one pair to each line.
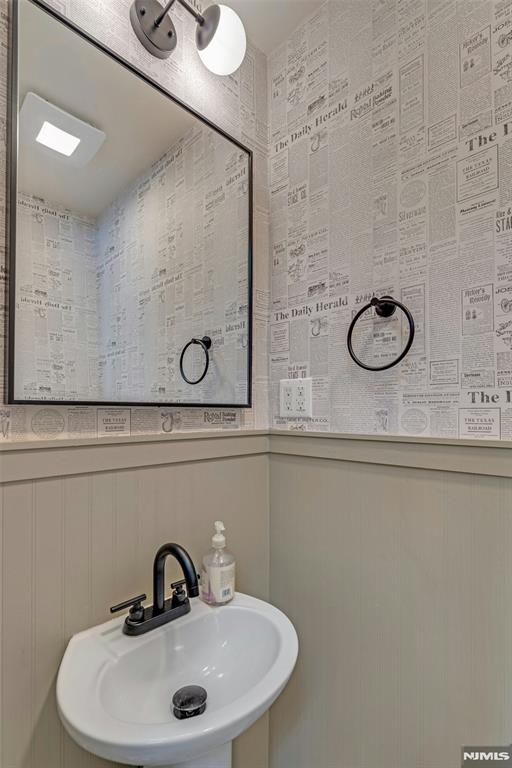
132, 234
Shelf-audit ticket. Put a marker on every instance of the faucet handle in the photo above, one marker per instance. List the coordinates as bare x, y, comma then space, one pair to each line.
178, 585
179, 595
135, 606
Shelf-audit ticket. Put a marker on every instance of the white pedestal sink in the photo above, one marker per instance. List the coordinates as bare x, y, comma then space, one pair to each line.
114, 692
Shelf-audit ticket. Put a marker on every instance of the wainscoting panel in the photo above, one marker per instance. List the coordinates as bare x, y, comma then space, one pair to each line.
399, 582
391, 557
74, 545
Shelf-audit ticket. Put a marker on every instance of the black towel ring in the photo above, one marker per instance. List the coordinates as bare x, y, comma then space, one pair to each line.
384, 307
205, 343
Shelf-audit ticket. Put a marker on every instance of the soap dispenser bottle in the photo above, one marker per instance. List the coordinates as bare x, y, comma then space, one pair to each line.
218, 573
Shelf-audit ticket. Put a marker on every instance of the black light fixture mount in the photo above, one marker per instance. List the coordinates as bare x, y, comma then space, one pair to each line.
154, 28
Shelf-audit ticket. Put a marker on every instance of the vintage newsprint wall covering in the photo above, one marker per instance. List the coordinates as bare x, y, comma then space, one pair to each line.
186, 219
391, 173
57, 354
164, 262
390, 165
238, 104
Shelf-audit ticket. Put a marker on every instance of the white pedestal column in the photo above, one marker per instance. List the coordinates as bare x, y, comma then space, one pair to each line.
217, 758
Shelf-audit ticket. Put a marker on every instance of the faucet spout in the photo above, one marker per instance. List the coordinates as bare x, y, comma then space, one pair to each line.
187, 566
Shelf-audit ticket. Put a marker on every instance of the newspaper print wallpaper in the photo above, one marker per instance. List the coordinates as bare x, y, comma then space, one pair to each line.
143, 278
57, 349
238, 104
196, 282
391, 173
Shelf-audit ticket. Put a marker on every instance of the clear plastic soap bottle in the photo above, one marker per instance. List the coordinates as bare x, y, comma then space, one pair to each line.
218, 573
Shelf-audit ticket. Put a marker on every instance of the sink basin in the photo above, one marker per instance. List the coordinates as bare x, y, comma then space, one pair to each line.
114, 692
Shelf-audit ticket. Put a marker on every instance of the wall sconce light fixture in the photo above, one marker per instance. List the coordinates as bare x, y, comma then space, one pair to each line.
220, 34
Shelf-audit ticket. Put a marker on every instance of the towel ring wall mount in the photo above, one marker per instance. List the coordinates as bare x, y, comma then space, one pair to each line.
206, 344
384, 307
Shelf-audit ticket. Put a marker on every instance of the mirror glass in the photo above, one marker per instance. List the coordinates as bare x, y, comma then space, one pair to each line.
131, 237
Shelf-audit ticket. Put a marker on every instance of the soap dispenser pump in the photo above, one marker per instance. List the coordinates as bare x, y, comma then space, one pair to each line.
218, 573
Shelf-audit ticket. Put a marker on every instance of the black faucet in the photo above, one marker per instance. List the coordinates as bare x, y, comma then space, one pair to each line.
187, 566
141, 620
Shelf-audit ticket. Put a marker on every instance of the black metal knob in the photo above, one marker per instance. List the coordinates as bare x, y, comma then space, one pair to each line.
178, 593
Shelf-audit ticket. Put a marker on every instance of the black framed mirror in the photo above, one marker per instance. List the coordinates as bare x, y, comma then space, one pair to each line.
130, 233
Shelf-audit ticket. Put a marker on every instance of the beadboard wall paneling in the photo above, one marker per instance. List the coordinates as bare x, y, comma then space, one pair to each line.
399, 582
74, 545
394, 569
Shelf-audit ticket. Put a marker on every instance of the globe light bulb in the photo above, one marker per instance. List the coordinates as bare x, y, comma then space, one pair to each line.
225, 51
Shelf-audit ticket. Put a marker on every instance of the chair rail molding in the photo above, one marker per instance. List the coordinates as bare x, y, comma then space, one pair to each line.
34, 460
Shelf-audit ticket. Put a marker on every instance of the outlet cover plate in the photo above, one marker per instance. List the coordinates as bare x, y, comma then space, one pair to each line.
296, 398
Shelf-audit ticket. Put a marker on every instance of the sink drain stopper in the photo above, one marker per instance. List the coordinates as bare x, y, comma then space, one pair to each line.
189, 701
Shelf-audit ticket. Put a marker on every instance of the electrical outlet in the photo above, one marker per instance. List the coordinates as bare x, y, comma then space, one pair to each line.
295, 398
303, 397
286, 391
